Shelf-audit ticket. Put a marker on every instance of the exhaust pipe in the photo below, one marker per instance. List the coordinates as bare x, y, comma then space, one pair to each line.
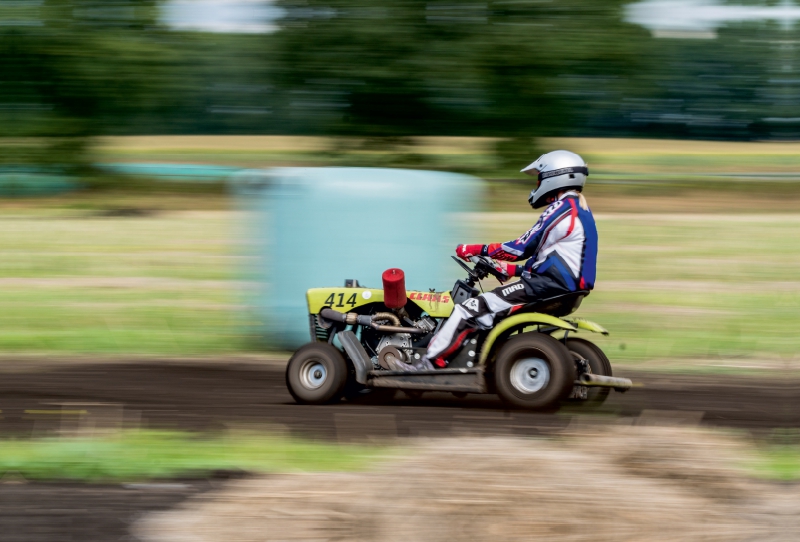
593, 380
367, 320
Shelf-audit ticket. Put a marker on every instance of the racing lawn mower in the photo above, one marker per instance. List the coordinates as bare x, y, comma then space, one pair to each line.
531, 358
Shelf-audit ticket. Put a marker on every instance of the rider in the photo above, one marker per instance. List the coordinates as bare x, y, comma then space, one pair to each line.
561, 249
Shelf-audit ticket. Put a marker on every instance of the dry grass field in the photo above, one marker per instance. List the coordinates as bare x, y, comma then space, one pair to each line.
676, 290
697, 271
629, 484
627, 175
623, 159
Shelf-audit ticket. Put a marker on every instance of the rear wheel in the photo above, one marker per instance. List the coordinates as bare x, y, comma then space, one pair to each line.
598, 363
316, 374
534, 370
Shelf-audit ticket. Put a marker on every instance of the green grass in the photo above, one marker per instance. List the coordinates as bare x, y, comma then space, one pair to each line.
195, 246
161, 284
777, 463
676, 291
122, 320
133, 456
147, 455
701, 289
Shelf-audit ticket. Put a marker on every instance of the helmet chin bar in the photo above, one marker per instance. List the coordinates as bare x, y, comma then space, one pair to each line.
547, 200
552, 196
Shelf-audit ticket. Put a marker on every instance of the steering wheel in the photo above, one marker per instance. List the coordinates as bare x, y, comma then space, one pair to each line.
485, 265
465, 267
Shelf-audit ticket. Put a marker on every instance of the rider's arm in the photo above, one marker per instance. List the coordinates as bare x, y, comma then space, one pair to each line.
528, 243
465, 252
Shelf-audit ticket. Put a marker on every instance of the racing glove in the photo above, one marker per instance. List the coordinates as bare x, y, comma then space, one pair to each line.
465, 252
507, 269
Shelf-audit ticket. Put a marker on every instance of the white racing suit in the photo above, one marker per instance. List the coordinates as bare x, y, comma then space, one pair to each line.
561, 249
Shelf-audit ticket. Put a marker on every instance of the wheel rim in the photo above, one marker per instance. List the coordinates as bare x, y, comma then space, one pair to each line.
313, 374
529, 375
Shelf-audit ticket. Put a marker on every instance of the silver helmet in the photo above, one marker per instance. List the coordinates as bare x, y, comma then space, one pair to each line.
556, 171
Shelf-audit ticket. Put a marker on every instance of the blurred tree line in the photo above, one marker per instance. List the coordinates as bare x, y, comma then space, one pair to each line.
70, 69
74, 69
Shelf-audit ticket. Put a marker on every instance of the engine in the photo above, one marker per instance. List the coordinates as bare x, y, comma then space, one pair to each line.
400, 345
392, 336
384, 333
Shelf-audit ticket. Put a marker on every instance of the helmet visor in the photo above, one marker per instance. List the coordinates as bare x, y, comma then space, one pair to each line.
531, 168
535, 173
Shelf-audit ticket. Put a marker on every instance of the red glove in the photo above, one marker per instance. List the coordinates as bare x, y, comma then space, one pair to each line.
507, 269
465, 252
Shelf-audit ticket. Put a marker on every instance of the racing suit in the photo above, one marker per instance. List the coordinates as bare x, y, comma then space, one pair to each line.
561, 249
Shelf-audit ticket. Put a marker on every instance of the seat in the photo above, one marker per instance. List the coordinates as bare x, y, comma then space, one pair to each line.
559, 305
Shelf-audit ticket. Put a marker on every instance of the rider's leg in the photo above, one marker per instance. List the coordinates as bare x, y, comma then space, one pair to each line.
472, 314
458, 327
419, 365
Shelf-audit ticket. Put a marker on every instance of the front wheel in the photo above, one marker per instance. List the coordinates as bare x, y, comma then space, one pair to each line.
534, 371
316, 374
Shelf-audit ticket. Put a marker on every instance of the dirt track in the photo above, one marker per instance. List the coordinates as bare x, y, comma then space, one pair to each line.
89, 513
203, 396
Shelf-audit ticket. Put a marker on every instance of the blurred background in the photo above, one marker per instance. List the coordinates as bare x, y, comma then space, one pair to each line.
124, 236
685, 111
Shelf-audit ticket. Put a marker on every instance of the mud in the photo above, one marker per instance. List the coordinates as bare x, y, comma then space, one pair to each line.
207, 396
89, 513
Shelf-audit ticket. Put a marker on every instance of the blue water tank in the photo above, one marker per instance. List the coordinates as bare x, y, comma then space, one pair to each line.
317, 227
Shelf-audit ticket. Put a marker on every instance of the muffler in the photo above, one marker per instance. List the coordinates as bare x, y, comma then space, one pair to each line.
600, 381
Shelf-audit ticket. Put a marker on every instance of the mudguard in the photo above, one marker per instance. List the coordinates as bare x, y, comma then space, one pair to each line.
588, 325
532, 318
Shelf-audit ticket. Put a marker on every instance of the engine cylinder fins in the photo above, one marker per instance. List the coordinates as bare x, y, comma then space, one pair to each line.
322, 323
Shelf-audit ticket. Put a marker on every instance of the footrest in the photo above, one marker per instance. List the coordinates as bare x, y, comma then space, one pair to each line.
464, 380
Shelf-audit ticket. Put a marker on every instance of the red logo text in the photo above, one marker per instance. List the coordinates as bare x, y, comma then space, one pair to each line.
432, 298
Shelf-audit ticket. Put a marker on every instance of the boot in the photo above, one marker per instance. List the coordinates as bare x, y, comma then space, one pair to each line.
420, 365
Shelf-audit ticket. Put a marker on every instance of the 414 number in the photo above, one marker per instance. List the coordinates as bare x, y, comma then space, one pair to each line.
331, 301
